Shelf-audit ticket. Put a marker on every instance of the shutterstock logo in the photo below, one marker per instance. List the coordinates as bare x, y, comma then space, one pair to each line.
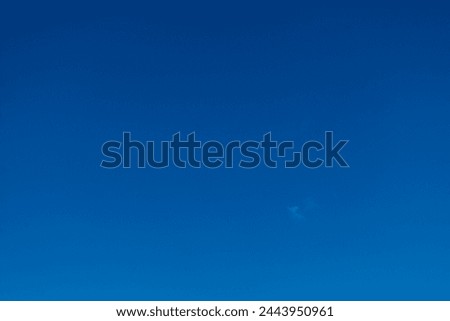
190, 152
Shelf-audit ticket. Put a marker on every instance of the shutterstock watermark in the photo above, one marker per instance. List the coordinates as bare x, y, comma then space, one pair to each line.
190, 152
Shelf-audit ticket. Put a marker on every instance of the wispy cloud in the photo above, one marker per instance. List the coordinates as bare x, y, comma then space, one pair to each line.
302, 210
295, 212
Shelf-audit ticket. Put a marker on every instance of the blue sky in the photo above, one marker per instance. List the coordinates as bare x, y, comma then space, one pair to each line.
75, 76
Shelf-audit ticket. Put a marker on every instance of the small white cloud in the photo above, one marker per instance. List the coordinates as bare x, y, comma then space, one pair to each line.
302, 210
295, 212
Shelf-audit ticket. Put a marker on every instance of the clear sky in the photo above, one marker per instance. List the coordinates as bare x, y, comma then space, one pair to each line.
74, 76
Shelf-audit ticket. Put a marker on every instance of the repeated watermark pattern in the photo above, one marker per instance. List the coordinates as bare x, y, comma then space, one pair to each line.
190, 152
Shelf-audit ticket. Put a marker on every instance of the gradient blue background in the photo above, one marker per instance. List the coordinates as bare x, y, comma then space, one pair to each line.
75, 75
